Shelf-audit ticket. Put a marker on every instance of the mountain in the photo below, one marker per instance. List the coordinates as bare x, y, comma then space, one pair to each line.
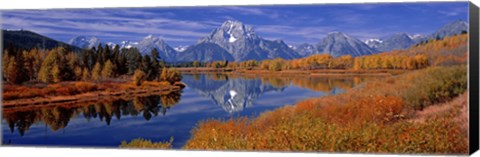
418, 38
305, 49
84, 42
128, 44
205, 52
150, 42
403, 40
111, 45
373, 43
452, 28
338, 44
180, 48
242, 43
25, 39
147, 44
395, 41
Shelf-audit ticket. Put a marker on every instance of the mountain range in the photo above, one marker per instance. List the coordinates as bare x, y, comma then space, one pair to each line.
235, 41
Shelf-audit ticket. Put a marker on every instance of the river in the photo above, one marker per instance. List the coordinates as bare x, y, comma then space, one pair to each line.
162, 117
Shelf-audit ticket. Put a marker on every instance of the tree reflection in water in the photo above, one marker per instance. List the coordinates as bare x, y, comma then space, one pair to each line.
57, 117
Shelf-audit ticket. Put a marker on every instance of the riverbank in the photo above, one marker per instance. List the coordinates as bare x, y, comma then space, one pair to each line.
380, 116
317, 72
78, 92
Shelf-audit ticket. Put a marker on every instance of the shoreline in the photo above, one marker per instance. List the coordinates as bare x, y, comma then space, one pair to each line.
321, 72
88, 97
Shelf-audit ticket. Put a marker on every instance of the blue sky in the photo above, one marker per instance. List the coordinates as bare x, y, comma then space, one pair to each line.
185, 25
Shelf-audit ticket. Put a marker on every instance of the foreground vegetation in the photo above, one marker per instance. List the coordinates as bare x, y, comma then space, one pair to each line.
421, 111
142, 143
376, 117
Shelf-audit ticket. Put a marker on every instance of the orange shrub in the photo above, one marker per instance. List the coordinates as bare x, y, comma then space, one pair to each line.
83, 87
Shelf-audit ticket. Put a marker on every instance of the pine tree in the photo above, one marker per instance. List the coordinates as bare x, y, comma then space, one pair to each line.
133, 59
100, 54
155, 65
145, 66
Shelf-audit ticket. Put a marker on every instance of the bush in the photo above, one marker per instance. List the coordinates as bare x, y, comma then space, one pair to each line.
170, 75
142, 143
371, 118
84, 87
434, 85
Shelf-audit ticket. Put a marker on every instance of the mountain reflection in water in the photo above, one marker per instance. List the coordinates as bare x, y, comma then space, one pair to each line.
206, 96
234, 94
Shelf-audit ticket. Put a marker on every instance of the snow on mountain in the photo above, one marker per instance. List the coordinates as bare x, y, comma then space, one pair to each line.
150, 42
111, 45
305, 49
181, 48
128, 44
84, 42
243, 44
396, 41
373, 43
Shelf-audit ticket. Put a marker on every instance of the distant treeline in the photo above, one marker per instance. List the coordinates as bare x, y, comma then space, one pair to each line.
323, 61
96, 64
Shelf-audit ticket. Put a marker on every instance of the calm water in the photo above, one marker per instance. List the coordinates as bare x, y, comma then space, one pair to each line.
160, 117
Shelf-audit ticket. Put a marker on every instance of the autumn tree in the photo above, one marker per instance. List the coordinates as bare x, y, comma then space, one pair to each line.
107, 70
85, 74
170, 75
138, 77
96, 72
53, 66
195, 64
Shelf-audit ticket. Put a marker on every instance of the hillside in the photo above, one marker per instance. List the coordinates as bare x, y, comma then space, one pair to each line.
449, 50
24, 39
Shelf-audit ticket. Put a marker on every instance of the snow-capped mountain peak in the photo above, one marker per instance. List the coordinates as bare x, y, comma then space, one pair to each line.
180, 48
150, 42
373, 40
84, 42
241, 42
128, 44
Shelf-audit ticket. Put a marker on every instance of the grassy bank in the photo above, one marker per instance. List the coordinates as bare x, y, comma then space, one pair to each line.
64, 92
380, 116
